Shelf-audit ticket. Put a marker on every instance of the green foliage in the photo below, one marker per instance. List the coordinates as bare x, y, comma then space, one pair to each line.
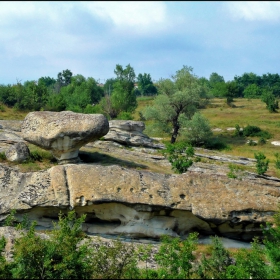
261, 141
262, 163
11, 219
116, 261
175, 257
178, 100
232, 172
270, 100
252, 91
180, 156
125, 116
252, 131
249, 264
198, 130
277, 162
60, 256
215, 266
272, 245
216, 144
238, 132
252, 142
145, 85
3, 156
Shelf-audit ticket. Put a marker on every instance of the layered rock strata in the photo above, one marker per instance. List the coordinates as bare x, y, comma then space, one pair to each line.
142, 204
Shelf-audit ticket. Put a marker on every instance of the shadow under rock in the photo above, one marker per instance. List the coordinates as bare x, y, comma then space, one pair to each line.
96, 157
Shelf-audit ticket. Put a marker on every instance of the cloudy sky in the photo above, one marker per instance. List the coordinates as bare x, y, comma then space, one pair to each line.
89, 38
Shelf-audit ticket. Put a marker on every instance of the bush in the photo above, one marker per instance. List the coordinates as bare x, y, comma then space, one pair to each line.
262, 141
175, 257
216, 144
124, 116
179, 155
262, 163
58, 257
251, 131
198, 130
277, 162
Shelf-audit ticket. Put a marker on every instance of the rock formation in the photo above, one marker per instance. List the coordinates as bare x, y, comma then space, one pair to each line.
64, 133
18, 152
130, 133
140, 203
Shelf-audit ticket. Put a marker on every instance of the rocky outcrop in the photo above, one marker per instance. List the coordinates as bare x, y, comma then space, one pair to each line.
18, 152
130, 133
143, 204
64, 133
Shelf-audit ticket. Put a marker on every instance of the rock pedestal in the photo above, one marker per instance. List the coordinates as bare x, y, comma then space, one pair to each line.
64, 133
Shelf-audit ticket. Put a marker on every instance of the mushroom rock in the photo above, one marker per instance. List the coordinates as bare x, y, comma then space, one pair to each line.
63, 133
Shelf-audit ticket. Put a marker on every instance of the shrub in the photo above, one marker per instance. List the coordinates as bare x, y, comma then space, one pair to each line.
251, 131
238, 131
277, 162
124, 116
179, 155
216, 144
252, 142
262, 163
261, 141
175, 257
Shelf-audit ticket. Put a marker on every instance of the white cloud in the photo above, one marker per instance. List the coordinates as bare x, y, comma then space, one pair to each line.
146, 16
254, 11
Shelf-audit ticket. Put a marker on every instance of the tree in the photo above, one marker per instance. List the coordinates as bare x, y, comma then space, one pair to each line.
270, 100
177, 102
215, 78
197, 130
123, 98
252, 91
145, 84
231, 92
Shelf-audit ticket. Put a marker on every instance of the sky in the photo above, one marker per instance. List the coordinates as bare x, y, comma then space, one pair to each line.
40, 39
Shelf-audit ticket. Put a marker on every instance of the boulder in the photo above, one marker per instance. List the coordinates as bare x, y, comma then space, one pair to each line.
141, 203
64, 133
18, 152
130, 133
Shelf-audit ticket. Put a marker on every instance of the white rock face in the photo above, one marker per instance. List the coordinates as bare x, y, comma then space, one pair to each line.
275, 143
64, 133
18, 152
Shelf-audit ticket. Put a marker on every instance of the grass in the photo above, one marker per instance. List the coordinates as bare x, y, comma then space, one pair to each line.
244, 112
7, 113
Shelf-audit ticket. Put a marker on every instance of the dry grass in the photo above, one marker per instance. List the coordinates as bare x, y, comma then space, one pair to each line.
7, 113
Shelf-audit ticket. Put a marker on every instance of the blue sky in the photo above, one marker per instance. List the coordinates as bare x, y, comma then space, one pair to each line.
89, 38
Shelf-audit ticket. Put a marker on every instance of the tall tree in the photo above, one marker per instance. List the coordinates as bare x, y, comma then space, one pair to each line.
177, 102
123, 98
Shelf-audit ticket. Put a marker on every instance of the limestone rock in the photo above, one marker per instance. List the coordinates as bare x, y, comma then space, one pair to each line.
18, 152
143, 204
63, 132
130, 133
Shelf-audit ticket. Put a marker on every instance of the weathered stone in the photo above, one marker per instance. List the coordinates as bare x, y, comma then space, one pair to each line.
143, 204
63, 132
130, 133
18, 152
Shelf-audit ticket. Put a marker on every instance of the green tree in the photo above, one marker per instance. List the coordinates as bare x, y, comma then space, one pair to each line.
215, 78
249, 264
270, 100
197, 130
215, 266
272, 245
145, 84
61, 256
252, 91
177, 102
175, 257
231, 92
123, 98
262, 163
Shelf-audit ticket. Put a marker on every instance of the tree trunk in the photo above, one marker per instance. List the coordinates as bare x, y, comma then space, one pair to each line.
175, 132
